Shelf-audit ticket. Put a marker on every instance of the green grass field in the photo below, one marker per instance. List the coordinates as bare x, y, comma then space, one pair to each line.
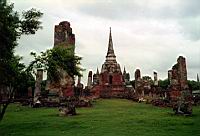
111, 117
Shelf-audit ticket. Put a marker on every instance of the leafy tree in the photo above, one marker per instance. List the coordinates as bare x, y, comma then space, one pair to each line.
17, 80
25, 80
163, 83
54, 61
148, 78
12, 26
194, 85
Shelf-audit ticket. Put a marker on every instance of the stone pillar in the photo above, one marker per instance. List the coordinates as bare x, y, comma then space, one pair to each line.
39, 78
170, 76
79, 87
165, 95
142, 93
155, 78
89, 83
137, 74
79, 80
182, 72
137, 78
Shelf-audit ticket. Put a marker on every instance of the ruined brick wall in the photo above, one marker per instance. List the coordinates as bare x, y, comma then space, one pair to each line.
105, 79
138, 81
170, 76
178, 83
117, 79
89, 83
155, 78
137, 74
182, 72
64, 38
178, 74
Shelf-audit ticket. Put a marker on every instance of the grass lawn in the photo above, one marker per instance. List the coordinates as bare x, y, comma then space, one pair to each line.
110, 117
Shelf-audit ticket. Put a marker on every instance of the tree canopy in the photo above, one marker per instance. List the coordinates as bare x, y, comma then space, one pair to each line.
194, 85
55, 60
12, 26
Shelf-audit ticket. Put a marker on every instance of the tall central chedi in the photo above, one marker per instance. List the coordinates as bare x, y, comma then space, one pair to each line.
111, 83
111, 71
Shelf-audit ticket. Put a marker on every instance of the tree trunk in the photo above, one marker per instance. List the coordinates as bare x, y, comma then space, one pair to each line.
5, 105
3, 110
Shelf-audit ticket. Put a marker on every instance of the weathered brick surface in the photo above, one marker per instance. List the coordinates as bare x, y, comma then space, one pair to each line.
63, 34
180, 95
63, 37
178, 78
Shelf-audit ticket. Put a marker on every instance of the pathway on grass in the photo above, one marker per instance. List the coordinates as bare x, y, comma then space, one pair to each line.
110, 117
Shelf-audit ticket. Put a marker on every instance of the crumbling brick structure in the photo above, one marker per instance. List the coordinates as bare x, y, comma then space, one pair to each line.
63, 37
178, 78
179, 92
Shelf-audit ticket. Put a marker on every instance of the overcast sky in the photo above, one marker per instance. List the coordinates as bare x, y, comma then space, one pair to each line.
147, 34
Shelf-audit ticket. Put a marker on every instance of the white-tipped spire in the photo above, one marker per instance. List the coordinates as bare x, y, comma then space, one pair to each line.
124, 70
97, 71
110, 52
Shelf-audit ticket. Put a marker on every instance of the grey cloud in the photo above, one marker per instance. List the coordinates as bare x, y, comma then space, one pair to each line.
184, 12
191, 8
131, 9
191, 28
145, 35
111, 10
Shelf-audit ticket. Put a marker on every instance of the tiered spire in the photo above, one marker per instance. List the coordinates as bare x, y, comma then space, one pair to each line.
110, 65
110, 52
97, 71
124, 72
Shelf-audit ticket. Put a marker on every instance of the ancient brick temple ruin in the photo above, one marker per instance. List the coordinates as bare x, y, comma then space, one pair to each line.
146, 88
64, 38
178, 78
179, 92
63, 35
110, 82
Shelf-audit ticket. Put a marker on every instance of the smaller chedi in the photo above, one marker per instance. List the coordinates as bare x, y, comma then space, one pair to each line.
126, 77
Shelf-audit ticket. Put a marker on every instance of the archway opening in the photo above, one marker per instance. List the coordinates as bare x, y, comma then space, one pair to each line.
110, 79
